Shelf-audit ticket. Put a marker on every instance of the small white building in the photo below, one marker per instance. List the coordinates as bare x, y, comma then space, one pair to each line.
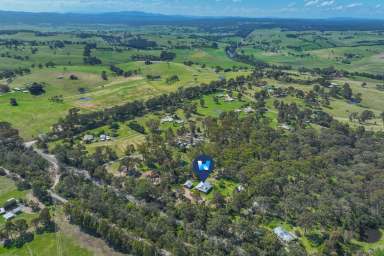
167, 119
228, 98
283, 235
240, 188
179, 121
204, 187
8, 216
88, 138
103, 137
333, 85
17, 210
248, 110
188, 184
2, 210
286, 127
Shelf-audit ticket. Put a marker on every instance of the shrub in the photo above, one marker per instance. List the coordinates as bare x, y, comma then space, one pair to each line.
136, 127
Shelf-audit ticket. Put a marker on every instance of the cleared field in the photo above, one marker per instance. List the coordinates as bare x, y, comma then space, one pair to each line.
213, 109
36, 114
125, 137
208, 56
349, 50
48, 244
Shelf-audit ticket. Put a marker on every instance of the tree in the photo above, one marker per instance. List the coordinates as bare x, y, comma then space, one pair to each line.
21, 226
46, 220
134, 125
347, 91
172, 79
73, 77
36, 89
4, 88
104, 75
358, 97
334, 91
366, 115
215, 45
41, 193
239, 96
8, 229
353, 116
153, 125
218, 199
216, 99
382, 117
13, 102
202, 102
167, 56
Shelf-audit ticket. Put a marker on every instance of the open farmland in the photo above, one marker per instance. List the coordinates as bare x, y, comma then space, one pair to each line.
100, 125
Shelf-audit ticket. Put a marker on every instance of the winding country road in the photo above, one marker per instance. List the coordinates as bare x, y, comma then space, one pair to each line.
54, 169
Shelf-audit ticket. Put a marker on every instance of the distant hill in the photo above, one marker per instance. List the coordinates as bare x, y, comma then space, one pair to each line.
142, 18
134, 18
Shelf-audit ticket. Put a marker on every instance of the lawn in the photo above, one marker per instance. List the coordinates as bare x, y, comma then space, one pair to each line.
125, 136
8, 190
213, 109
208, 56
48, 244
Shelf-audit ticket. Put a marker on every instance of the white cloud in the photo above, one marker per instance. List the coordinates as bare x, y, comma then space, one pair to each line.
353, 5
319, 3
311, 2
327, 3
338, 8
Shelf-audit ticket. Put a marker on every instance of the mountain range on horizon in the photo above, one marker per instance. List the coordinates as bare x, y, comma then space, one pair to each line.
144, 18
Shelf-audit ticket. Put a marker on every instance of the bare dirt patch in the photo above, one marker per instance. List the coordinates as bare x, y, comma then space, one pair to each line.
87, 105
122, 80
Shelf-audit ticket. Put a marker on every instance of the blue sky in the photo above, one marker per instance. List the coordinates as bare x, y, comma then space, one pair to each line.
249, 8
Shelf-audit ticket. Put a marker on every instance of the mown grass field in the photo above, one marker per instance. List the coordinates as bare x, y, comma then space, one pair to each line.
8, 190
48, 244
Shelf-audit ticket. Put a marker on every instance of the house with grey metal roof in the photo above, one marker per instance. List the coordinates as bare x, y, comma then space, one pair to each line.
204, 187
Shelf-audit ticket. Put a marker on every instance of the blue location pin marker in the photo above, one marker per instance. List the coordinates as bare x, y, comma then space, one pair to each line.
203, 166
